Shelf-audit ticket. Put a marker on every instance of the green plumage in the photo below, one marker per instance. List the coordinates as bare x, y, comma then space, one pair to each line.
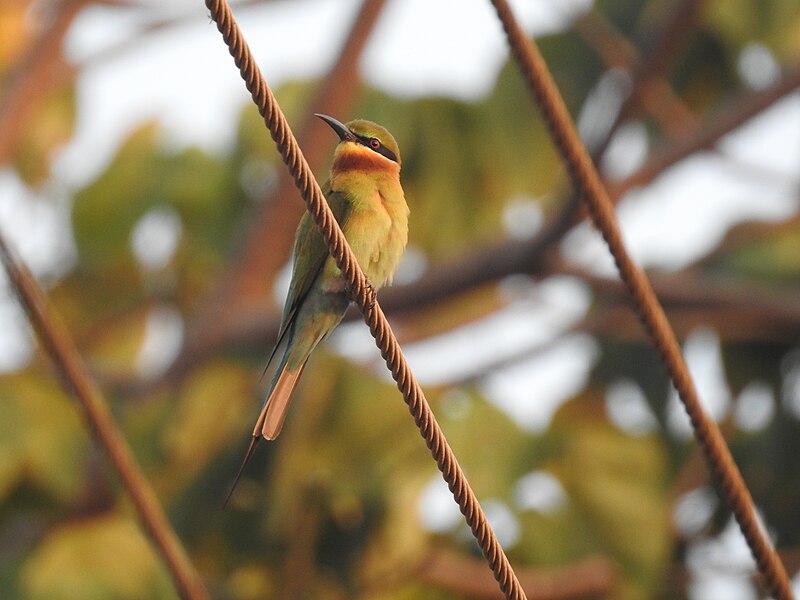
366, 198
311, 295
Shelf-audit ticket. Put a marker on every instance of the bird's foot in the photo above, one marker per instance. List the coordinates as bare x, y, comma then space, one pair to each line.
366, 295
370, 294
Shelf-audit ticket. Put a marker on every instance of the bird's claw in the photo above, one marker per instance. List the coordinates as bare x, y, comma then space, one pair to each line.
370, 294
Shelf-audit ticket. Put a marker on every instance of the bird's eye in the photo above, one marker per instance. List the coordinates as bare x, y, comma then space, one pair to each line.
374, 143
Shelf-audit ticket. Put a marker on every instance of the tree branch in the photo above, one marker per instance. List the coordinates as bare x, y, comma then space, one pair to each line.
650, 91
738, 112
590, 578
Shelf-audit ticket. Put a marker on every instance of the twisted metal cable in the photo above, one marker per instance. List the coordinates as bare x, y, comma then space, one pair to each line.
75, 378
364, 296
587, 181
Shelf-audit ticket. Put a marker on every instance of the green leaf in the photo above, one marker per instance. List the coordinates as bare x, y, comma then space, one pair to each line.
763, 250
214, 407
741, 22
618, 484
113, 350
99, 558
41, 436
198, 189
484, 437
142, 176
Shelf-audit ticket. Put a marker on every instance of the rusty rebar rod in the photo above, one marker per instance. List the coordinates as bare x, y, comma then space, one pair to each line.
364, 296
587, 181
75, 377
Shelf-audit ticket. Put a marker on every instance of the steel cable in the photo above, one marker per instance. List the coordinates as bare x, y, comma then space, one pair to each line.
364, 296
587, 181
75, 378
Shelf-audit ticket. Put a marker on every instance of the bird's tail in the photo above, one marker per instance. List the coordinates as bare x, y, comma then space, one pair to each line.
273, 414
270, 421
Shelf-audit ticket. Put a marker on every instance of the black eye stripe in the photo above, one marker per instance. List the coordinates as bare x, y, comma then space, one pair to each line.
381, 149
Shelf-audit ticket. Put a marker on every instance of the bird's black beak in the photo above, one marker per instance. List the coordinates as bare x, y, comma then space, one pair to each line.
345, 135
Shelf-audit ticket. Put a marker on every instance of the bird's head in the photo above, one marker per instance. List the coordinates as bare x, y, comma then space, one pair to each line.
364, 144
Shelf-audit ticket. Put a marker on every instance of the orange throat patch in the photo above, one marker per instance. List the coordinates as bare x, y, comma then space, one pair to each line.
355, 157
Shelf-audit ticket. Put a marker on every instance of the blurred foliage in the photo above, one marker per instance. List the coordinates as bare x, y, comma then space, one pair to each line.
14, 36
105, 556
51, 126
42, 440
617, 486
332, 510
761, 251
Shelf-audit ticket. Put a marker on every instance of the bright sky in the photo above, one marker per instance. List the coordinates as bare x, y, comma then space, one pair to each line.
185, 77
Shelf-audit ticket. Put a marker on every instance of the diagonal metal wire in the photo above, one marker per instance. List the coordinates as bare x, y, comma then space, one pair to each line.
587, 182
55, 341
266, 242
364, 296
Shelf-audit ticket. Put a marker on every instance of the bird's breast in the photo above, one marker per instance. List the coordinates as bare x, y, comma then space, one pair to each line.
377, 225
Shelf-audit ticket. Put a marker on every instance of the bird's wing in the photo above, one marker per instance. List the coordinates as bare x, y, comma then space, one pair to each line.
310, 253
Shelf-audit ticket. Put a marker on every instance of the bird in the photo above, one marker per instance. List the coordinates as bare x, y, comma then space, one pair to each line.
367, 200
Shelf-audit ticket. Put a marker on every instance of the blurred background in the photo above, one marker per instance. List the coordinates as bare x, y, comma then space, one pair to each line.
140, 186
